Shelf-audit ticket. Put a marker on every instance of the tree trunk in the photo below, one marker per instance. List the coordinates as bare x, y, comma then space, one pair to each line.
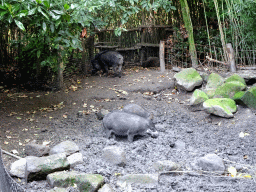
60, 84
189, 28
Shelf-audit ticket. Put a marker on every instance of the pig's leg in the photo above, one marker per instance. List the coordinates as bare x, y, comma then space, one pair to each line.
120, 70
108, 133
130, 137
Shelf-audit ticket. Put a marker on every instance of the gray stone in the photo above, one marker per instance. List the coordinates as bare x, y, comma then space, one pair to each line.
75, 159
83, 181
165, 165
114, 155
58, 189
143, 179
67, 147
39, 167
179, 145
223, 107
33, 149
18, 168
211, 162
188, 79
106, 188
249, 98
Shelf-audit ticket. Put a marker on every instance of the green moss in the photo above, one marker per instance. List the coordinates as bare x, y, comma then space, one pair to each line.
235, 77
188, 74
214, 81
228, 90
227, 104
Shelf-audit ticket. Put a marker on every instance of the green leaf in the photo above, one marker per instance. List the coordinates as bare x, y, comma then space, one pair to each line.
58, 12
38, 53
44, 26
32, 11
20, 25
47, 4
66, 6
41, 11
52, 28
3, 13
56, 17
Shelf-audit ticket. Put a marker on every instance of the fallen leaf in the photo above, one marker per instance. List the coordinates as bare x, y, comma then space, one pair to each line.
38, 96
65, 116
27, 140
20, 143
8, 137
245, 156
46, 142
14, 151
50, 117
85, 105
232, 171
6, 142
247, 176
18, 118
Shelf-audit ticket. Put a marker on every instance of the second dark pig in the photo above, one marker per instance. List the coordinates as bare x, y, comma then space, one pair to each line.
106, 59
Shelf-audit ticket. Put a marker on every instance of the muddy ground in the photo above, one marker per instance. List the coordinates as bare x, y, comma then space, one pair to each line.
70, 115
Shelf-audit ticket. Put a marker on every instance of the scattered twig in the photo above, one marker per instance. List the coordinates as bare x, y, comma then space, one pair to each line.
10, 154
216, 61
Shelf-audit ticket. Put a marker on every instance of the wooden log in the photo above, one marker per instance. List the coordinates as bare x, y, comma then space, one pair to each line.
216, 61
161, 56
231, 57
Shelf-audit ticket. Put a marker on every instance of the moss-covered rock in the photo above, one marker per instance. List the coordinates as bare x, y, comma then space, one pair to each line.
238, 97
209, 92
214, 81
188, 79
249, 98
235, 77
198, 97
223, 107
85, 182
229, 89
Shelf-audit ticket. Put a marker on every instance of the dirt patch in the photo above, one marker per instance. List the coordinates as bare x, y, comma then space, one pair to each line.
70, 115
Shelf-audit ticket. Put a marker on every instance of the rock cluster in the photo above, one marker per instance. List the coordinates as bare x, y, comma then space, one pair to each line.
219, 96
55, 168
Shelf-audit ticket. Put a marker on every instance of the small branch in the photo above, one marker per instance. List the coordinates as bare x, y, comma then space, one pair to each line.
10, 154
216, 61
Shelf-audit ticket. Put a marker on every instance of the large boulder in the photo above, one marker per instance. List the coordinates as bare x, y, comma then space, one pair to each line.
188, 79
223, 107
229, 89
114, 155
83, 181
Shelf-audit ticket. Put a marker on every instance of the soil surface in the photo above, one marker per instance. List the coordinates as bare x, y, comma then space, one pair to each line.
184, 133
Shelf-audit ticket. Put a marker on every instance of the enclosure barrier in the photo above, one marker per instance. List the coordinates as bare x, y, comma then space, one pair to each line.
7, 184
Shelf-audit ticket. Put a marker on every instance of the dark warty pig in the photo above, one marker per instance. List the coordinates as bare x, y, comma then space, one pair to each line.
127, 124
138, 110
106, 59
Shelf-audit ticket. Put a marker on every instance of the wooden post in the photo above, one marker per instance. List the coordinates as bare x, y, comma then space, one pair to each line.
231, 57
143, 36
161, 56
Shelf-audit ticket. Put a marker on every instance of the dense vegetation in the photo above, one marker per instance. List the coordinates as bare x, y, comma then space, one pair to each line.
41, 35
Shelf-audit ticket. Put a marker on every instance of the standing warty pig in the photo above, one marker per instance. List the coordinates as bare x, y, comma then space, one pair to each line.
107, 59
138, 110
127, 124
